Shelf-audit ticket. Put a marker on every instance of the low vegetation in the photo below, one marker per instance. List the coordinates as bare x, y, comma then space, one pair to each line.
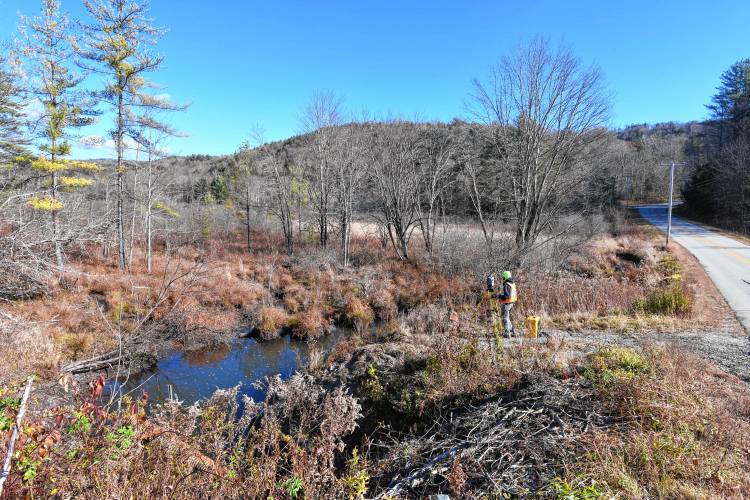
448, 413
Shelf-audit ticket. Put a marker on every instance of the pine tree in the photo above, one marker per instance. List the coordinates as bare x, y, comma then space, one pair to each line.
51, 56
731, 104
12, 140
219, 189
117, 46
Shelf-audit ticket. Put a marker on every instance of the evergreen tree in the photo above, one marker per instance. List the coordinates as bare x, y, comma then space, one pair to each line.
219, 189
12, 141
117, 46
731, 104
48, 48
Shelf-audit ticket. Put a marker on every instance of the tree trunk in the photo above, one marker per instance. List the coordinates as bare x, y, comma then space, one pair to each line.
55, 224
247, 216
149, 201
133, 217
120, 187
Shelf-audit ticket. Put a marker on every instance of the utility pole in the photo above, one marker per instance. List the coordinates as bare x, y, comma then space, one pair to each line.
671, 192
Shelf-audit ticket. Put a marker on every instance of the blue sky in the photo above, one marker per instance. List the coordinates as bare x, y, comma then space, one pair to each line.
245, 62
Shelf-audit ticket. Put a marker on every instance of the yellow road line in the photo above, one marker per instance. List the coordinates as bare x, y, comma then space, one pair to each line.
731, 253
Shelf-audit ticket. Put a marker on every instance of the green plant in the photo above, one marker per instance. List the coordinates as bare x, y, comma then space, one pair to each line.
6, 417
293, 486
28, 468
566, 491
81, 423
671, 300
371, 386
612, 364
669, 265
356, 477
122, 437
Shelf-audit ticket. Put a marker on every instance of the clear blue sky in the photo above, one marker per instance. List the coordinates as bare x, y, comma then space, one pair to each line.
244, 62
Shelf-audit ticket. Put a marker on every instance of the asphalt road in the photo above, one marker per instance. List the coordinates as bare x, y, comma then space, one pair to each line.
726, 260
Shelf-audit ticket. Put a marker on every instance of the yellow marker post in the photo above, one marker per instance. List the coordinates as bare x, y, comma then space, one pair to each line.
532, 327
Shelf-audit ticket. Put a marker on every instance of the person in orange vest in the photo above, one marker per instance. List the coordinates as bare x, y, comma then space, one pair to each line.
507, 296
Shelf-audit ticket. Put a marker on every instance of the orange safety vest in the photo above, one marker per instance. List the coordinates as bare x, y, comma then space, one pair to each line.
512, 296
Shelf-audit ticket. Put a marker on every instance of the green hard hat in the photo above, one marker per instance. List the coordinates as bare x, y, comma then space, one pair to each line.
506, 275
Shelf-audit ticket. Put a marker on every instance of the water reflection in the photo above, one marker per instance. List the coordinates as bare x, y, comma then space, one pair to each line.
197, 375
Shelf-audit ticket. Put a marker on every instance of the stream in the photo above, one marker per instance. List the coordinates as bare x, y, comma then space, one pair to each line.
193, 376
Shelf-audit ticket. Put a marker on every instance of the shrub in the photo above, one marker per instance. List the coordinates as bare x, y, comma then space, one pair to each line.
669, 265
357, 313
295, 298
671, 300
613, 364
370, 386
383, 304
270, 322
309, 324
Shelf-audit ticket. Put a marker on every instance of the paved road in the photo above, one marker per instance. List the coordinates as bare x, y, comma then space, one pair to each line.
726, 260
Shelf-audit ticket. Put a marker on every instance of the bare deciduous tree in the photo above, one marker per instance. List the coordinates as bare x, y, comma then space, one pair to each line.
545, 114
320, 118
396, 175
275, 167
436, 149
350, 168
242, 172
480, 182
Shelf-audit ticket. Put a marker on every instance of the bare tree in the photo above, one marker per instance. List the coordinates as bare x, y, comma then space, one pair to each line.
350, 168
156, 188
276, 167
480, 181
436, 150
320, 118
243, 172
396, 176
545, 114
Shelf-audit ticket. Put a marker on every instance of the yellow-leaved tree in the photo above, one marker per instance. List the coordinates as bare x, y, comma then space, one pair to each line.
61, 108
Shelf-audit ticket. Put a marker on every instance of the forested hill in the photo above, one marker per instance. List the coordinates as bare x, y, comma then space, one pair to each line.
633, 166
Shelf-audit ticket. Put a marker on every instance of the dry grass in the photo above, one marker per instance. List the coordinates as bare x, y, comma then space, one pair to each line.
309, 324
26, 348
270, 321
683, 436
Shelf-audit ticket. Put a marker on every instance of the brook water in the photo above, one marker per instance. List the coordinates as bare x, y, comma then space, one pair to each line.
193, 376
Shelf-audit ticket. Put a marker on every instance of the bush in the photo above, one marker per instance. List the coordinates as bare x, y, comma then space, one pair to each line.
309, 324
669, 265
672, 300
357, 314
383, 304
612, 364
270, 322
